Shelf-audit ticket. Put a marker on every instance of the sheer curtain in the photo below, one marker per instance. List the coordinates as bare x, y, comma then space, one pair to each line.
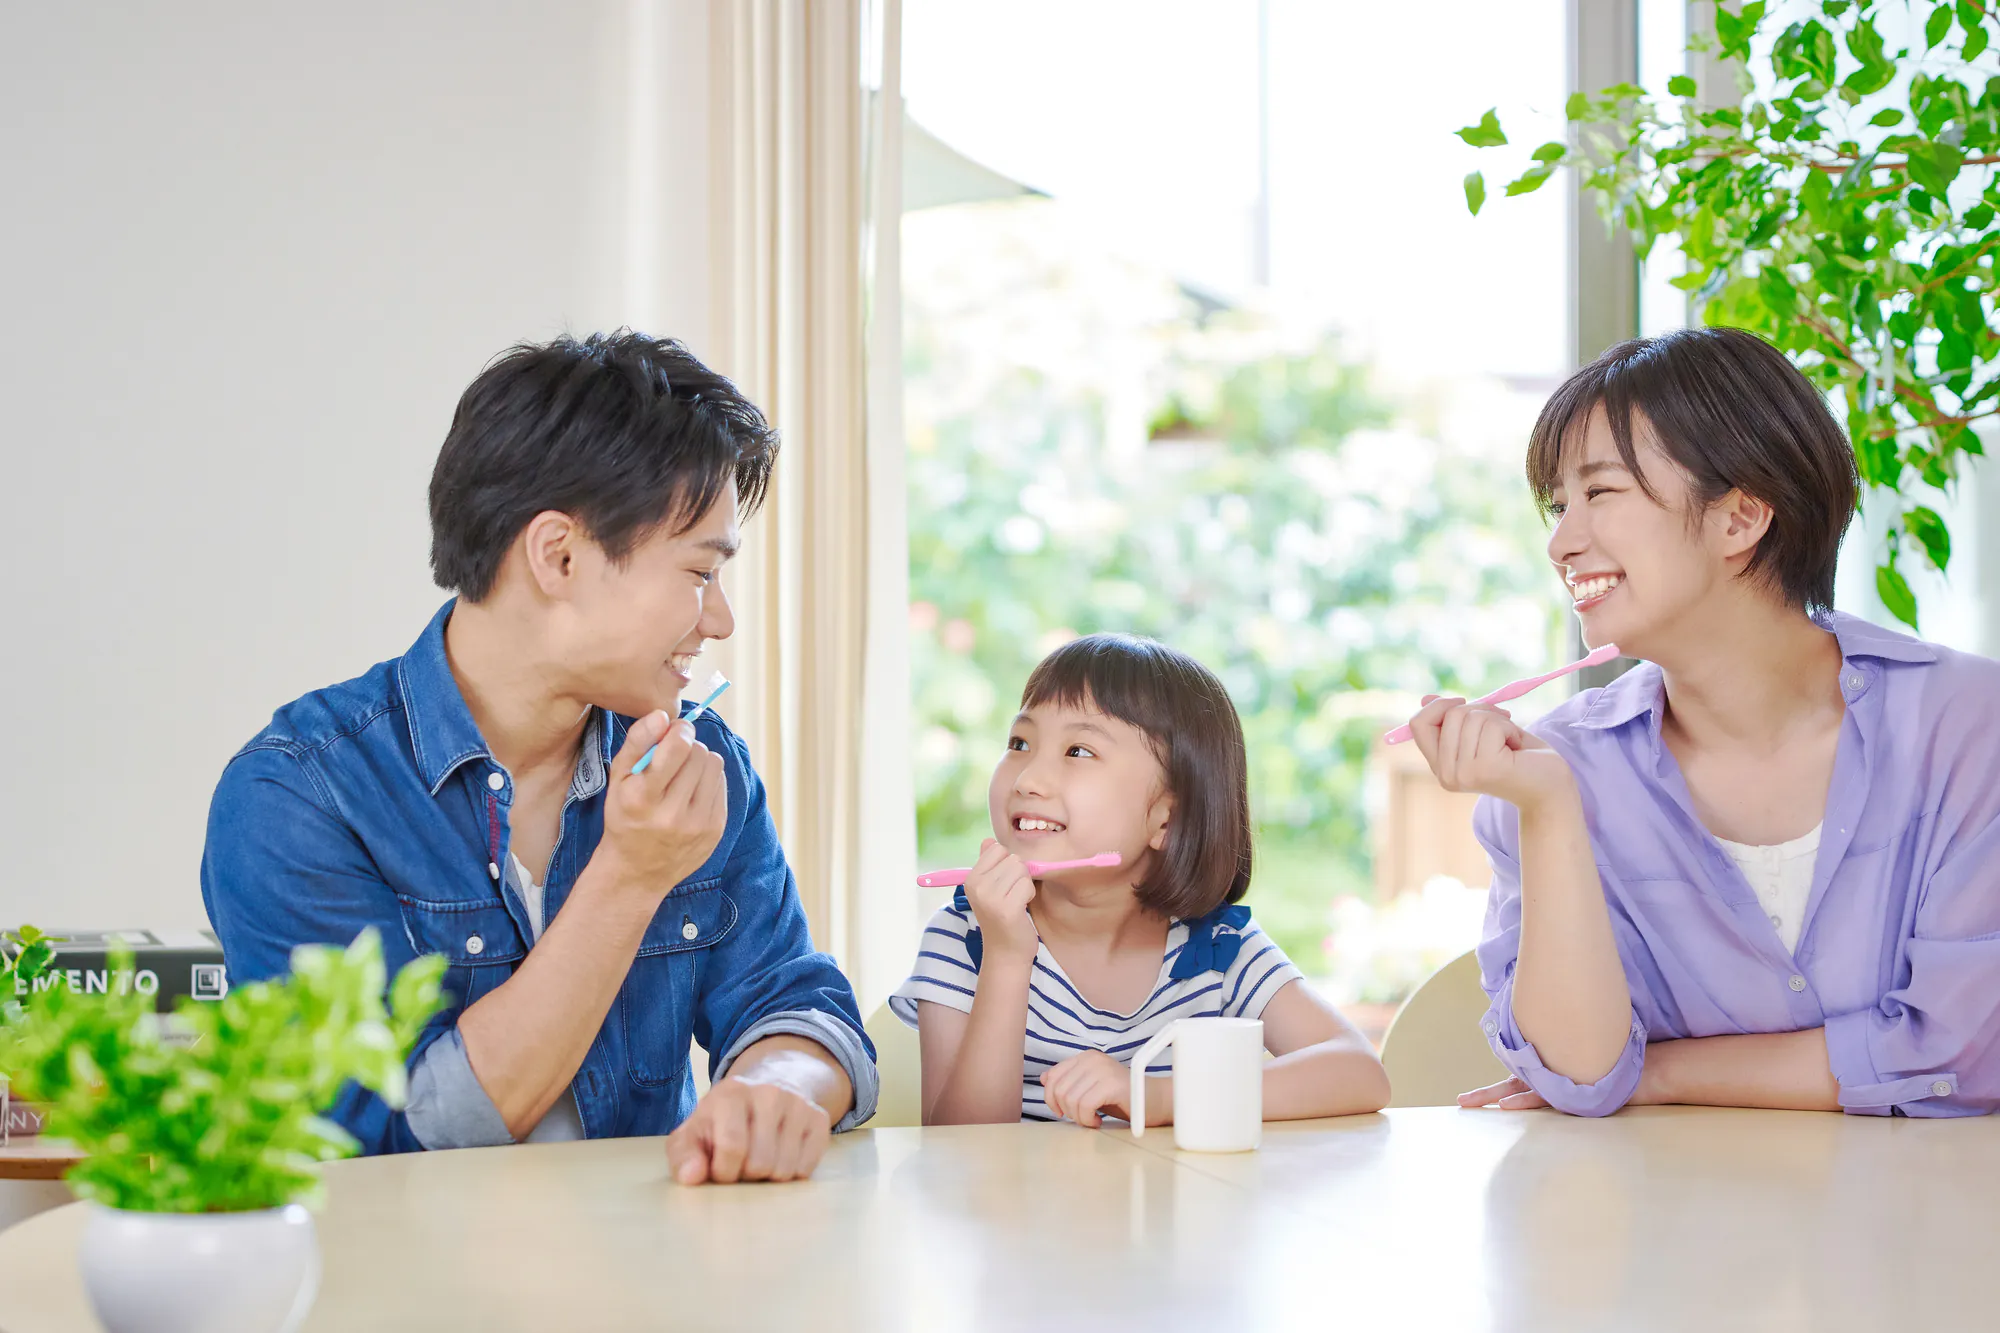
806, 304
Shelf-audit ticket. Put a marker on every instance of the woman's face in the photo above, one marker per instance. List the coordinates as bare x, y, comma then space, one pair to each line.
1641, 573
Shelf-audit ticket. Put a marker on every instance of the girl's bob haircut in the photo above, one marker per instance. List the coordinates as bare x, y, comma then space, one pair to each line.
1195, 733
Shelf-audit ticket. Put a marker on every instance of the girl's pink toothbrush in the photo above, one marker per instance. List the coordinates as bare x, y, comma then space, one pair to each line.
951, 879
1521, 687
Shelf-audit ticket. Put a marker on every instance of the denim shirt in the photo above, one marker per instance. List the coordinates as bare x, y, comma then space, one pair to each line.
377, 803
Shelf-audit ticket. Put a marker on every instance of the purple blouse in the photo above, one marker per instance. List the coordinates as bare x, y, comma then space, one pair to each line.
1899, 958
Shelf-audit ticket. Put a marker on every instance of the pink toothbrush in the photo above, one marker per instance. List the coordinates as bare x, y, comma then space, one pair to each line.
1521, 687
951, 879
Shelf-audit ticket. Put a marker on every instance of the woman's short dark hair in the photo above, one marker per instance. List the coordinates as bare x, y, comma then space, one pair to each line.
1186, 714
622, 432
1733, 414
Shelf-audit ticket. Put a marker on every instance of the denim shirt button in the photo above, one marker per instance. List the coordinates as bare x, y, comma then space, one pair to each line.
475, 946
690, 931
493, 870
495, 781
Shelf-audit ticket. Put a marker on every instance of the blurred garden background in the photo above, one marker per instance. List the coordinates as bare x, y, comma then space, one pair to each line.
1185, 393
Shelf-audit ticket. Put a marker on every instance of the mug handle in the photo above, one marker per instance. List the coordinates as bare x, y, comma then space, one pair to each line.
1161, 1040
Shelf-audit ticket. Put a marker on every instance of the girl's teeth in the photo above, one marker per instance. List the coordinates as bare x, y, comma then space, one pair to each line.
1037, 826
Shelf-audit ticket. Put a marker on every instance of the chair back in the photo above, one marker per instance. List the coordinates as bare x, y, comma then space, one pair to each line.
899, 1060
1435, 1049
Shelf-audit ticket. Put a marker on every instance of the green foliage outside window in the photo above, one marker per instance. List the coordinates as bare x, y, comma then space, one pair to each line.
1327, 567
1842, 203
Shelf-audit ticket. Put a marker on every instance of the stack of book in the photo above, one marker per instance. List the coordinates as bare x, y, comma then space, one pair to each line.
166, 965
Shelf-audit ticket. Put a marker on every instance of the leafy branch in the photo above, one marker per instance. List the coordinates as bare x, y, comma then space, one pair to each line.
1848, 215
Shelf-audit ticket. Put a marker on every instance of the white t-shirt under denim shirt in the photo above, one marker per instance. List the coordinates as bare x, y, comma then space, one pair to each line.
562, 1123
1216, 966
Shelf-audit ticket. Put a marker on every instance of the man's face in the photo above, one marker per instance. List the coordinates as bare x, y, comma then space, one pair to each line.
635, 630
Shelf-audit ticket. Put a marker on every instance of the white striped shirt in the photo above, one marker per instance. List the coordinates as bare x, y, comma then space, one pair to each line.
1061, 1022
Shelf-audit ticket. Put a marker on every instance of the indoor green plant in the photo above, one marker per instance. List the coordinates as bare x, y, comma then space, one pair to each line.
1833, 190
203, 1141
24, 957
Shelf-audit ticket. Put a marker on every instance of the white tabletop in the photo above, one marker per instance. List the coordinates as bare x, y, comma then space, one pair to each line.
1413, 1219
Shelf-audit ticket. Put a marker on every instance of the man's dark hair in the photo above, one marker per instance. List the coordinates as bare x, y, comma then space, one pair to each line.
1733, 414
1186, 715
622, 432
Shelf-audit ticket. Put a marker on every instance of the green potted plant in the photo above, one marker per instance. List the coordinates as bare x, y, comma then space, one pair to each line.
24, 957
204, 1146
1833, 188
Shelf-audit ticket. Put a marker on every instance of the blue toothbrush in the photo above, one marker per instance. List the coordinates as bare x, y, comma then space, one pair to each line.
715, 685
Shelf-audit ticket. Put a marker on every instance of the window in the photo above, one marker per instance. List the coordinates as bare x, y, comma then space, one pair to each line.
1210, 349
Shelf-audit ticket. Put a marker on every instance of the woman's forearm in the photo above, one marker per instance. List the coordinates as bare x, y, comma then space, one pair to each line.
1779, 1071
984, 1085
1570, 996
1337, 1077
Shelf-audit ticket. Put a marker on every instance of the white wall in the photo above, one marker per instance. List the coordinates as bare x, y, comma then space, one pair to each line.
249, 256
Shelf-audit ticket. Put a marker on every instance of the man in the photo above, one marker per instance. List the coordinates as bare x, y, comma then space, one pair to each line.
476, 797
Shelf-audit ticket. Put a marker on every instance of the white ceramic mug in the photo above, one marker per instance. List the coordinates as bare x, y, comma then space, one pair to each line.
1218, 1083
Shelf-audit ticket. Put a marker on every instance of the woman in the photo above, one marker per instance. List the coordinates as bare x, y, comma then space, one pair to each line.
1760, 868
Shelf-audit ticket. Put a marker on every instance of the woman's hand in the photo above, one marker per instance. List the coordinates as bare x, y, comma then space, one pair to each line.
1510, 1095
1090, 1084
1000, 889
1478, 748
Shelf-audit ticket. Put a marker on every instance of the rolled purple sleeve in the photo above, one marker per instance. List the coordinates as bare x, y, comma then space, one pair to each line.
1608, 1094
1926, 1048
1497, 826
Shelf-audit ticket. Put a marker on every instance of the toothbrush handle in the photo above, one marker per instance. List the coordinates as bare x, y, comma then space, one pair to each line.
1499, 696
1520, 687
646, 759
942, 879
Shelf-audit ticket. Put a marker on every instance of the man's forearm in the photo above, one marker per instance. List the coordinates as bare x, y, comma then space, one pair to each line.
1779, 1071
802, 1065
1570, 995
526, 1040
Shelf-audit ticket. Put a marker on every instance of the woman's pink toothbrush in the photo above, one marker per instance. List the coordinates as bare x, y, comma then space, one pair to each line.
951, 879
1520, 687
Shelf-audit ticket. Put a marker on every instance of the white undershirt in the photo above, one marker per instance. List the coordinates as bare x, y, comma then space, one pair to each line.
1781, 877
562, 1123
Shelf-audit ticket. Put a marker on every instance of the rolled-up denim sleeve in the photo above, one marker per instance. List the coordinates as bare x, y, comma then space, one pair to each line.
841, 1041
1497, 826
1930, 1047
766, 979
281, 868
447, 1107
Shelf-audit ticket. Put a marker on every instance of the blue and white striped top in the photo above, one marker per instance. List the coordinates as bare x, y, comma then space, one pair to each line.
1216, 966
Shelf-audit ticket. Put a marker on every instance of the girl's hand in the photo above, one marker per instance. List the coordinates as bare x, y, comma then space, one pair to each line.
1000, 889
1478, 748
1090, 1084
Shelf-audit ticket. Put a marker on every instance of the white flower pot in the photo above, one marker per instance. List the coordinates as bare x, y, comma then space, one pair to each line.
200, 1272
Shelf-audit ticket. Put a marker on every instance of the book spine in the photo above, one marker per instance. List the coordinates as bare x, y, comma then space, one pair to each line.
164, 975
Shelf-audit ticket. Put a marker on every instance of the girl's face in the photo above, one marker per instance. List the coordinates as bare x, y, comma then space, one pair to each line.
1639, 573
1075, 783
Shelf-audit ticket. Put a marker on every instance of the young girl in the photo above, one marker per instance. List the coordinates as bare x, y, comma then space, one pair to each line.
1031, 996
